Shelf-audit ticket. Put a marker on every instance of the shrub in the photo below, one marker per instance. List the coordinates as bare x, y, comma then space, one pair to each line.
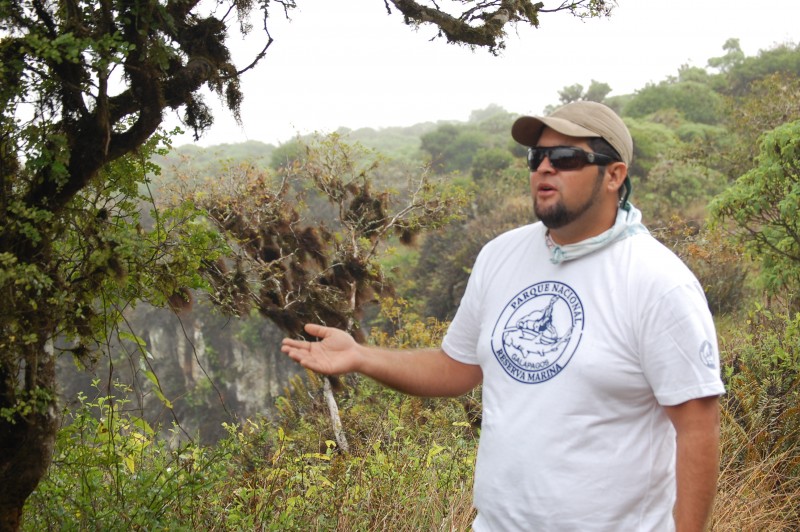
111, 472
716, 262
760, 479
410, 464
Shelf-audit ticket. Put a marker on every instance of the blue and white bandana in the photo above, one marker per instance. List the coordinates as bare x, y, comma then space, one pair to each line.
628, 223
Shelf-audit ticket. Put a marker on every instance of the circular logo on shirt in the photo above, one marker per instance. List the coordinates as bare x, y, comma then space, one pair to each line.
538, 332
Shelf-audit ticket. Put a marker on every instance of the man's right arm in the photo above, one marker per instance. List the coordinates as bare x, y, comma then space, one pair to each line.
424, 372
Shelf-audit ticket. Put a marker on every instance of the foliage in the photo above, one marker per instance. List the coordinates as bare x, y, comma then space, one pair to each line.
308, 240
401, 327
784, 58
488, 163
493, 117
110, 471
440, 276
66, 275
102, 256
697, 74
596, 92
760, 480
287, 154
696, 102
484, 23
212, 160
452, 147
711, 138
84, 86
733, 56
763, 207
652, 141
411, 463
478, 146
716, 263
769, 102
67, 63
676, 186
396, 143
412, 459
99, 246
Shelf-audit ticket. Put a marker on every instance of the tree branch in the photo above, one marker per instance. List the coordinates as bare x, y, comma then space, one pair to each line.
488, 32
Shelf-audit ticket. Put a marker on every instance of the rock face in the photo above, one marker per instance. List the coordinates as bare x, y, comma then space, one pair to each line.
211, 368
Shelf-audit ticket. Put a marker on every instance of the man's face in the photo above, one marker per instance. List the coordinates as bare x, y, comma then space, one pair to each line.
568, 199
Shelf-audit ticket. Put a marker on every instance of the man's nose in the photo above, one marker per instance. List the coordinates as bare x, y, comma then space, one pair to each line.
545, 167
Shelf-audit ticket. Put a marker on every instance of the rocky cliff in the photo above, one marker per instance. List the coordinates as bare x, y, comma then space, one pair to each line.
210, 369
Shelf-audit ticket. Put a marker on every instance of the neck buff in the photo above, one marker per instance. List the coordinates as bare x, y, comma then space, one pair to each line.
628, 223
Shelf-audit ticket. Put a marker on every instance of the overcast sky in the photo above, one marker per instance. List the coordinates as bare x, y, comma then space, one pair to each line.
347, 63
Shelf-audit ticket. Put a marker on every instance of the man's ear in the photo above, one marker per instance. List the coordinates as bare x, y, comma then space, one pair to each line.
617, 172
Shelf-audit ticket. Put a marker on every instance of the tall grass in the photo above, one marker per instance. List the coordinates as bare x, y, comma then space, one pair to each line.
760, 476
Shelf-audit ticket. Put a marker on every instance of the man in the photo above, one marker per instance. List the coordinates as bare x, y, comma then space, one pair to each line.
594, 344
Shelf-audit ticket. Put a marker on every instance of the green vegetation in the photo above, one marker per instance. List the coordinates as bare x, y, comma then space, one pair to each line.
760, 480
410, 462
716, 175
764, 206
410, 466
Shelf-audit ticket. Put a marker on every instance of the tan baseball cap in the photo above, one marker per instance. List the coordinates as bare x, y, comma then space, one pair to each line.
578, 119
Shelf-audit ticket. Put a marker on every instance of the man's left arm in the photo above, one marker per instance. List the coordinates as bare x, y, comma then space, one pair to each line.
696, 425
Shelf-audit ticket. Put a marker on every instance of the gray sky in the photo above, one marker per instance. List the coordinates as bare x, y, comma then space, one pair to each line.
348, 63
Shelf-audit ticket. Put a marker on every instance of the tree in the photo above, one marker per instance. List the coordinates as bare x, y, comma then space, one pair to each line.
82, 86
764, 207
690, 73
783, 58
733, 56
570, 94
596, 92
452, 147
65, 216
492, 112
66, 276
697, 102
489, 162
651, 143
296, 265
769, 102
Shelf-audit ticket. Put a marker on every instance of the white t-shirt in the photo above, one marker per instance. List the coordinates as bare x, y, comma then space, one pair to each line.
577, 360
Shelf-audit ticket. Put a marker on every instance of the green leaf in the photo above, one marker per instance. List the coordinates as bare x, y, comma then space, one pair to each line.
125, 335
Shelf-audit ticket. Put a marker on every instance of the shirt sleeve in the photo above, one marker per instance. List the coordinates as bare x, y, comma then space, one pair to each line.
680, 355
461, 340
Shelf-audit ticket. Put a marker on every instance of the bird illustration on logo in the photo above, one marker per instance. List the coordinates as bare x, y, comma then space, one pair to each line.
535, 333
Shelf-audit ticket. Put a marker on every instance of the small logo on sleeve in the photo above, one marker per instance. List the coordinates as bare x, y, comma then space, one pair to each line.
538, 332
707, 355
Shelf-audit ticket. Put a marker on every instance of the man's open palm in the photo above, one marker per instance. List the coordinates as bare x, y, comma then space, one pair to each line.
336, 352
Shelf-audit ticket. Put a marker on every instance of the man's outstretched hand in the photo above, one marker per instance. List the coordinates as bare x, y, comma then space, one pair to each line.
424, 372
336, 353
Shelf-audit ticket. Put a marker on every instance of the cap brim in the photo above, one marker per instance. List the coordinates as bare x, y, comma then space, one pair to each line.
527, 129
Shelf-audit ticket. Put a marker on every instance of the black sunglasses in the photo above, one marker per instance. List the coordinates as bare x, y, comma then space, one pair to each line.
565, 157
